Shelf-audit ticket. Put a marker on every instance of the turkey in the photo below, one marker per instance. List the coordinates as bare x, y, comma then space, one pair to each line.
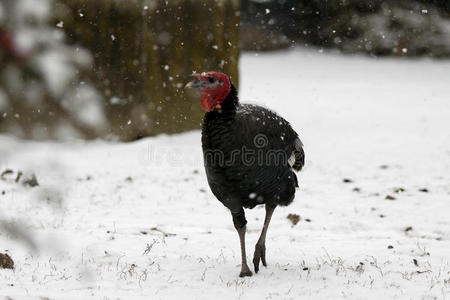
250, 155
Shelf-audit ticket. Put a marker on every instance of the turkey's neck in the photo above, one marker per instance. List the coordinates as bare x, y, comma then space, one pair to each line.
231, 101
222, 116
218, 122
228, 105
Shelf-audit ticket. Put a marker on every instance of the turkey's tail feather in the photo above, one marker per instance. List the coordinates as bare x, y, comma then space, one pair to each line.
299, 155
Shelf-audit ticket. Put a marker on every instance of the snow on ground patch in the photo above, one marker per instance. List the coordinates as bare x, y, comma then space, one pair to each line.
137, 220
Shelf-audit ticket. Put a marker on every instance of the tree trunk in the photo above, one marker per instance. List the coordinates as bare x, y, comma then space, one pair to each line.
144, 52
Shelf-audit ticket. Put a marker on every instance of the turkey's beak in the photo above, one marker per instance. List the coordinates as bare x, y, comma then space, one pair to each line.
197, 83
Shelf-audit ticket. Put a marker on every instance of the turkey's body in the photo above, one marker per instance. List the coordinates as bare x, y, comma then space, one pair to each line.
247, 151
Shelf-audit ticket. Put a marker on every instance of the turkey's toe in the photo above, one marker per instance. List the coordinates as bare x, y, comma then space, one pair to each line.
260, 254
245, 273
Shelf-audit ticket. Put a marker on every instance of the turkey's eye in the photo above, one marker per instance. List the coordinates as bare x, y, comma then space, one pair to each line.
211, 79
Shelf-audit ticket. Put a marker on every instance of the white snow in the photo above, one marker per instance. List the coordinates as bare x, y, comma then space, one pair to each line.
86, 106
137, 220
27, 10
57, 70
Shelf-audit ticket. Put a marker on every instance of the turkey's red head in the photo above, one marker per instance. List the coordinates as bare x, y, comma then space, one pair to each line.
213, 87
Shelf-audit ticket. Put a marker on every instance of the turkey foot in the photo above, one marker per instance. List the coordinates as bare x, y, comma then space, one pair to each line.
245, 271
260, 248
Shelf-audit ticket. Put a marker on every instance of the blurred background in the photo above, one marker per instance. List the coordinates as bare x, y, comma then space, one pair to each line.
116, 69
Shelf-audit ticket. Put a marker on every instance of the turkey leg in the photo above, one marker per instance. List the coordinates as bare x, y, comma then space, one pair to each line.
260, 247
245, 270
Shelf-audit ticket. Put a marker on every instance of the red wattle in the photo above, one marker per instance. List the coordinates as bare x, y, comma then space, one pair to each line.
205, 103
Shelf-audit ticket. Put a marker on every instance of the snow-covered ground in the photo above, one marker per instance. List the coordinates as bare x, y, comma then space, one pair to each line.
138, 221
